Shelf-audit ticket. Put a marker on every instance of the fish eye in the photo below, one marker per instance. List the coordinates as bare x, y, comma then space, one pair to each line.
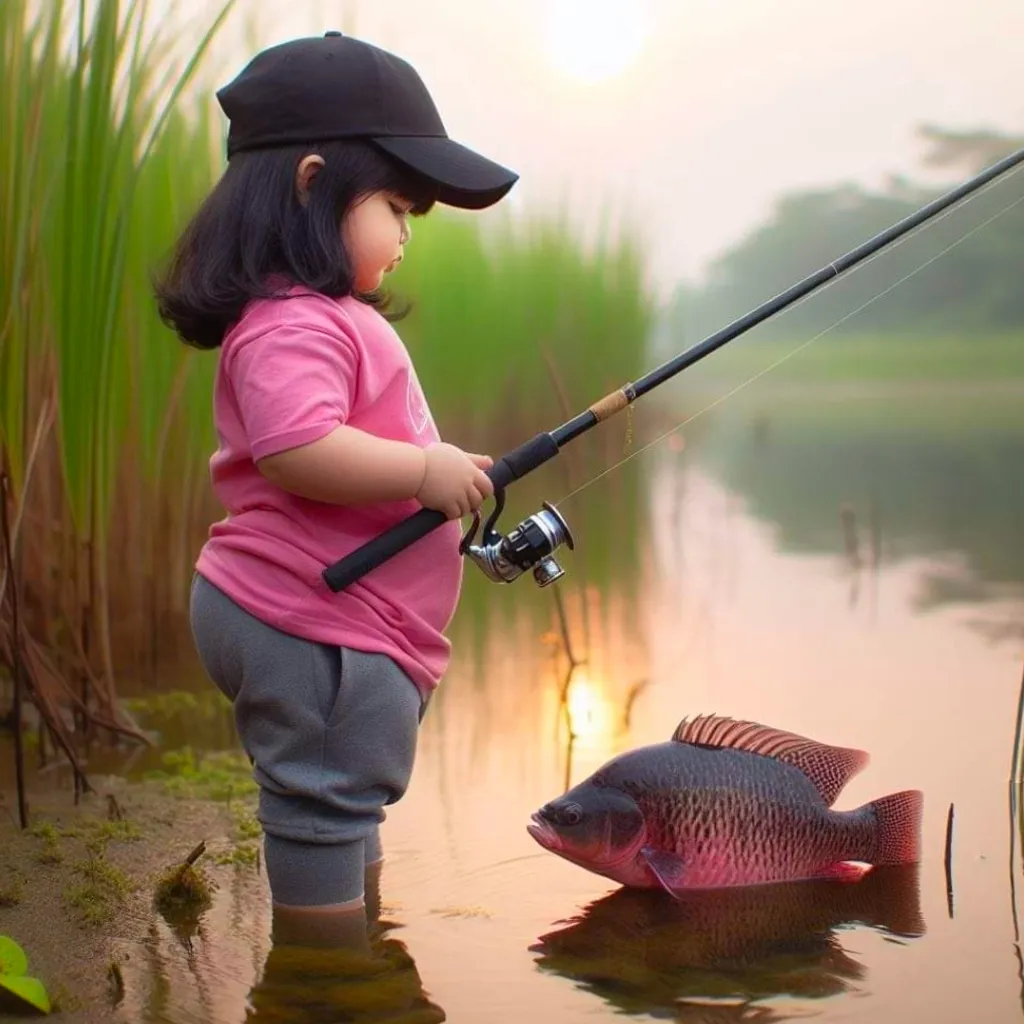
572, 815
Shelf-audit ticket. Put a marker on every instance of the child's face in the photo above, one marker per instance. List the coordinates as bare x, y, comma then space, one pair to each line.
374, 231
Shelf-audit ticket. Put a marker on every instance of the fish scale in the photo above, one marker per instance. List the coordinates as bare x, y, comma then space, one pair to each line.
768, 816
726, 803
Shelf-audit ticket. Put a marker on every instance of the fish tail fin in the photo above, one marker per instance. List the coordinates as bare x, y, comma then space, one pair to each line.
898, 839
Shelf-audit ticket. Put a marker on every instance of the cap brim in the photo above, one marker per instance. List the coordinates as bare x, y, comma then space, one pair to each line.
464, 178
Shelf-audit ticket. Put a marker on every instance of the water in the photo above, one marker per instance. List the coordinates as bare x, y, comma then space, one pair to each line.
849, 567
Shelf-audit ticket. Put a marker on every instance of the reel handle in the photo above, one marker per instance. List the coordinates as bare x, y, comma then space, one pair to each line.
358, 563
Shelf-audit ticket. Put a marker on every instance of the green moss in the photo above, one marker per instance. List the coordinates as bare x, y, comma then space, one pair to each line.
96, 832
183, 890
245, 852
123, 831
247, 825
99, 833
45, 830
224, 775
178, 702
241, 855
104, 887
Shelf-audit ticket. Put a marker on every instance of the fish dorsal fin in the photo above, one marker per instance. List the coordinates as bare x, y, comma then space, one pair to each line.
829, 768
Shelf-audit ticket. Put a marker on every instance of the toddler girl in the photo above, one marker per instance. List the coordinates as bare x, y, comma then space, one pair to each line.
325, 441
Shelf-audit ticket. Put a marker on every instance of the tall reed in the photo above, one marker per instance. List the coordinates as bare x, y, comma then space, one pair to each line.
83, 106
105, 418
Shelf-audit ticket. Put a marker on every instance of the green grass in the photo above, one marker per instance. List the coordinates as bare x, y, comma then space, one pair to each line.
83, 111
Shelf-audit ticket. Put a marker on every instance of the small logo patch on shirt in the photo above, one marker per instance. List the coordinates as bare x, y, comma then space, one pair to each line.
419, 414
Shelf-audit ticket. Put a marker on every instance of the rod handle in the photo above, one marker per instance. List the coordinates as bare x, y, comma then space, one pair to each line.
358, 563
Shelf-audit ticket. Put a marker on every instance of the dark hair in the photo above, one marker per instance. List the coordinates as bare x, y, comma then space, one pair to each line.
252, 227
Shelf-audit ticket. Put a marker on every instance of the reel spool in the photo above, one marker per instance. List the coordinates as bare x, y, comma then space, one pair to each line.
529, 546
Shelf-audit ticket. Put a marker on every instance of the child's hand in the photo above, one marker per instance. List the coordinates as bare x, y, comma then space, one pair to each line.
454, 482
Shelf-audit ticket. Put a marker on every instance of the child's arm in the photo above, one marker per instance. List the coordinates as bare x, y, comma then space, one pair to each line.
351, 467
293, 385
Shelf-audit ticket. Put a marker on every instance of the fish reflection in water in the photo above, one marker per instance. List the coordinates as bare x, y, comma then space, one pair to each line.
644, 952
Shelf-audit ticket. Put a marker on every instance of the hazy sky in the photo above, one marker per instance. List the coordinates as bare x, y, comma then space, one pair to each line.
707, 109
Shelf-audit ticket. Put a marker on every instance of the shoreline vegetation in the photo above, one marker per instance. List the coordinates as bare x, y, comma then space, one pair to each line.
105, 424
83, 890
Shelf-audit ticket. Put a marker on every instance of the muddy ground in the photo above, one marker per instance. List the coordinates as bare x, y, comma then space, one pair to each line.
77, 888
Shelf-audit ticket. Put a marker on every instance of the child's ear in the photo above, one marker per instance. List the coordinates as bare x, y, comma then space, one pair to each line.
304, 175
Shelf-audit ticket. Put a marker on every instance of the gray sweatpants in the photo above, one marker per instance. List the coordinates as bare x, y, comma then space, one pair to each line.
332, 736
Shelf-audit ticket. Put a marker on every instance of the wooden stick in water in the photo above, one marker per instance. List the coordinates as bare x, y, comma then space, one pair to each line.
1015, 764
949, 861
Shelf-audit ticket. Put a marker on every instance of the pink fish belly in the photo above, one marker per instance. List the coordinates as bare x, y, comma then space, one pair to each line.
776, 846
721, 869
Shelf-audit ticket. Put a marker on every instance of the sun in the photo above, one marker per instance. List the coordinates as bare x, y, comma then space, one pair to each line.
594, 40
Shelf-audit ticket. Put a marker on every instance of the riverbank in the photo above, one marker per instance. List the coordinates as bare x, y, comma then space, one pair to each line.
77, 887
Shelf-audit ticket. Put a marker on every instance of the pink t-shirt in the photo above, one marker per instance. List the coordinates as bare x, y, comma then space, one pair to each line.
289, 372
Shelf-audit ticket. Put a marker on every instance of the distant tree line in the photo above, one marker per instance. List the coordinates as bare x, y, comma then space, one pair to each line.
977, 285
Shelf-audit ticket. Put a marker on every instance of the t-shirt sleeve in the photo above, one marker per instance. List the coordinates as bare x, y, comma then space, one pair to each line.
294, 384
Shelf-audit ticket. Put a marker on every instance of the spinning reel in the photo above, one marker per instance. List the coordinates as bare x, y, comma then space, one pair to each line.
528, 546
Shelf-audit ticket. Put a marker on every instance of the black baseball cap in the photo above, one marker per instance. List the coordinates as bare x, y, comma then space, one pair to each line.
335, 87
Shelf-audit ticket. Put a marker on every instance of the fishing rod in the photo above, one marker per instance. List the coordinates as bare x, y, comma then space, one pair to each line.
532, 543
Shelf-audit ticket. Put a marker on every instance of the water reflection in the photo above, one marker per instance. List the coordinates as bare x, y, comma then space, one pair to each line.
222, 966
759, 597
643, 952
592, 716
886, 475
300, 985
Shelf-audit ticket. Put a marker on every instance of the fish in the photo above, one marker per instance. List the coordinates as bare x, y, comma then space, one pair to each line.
727, 802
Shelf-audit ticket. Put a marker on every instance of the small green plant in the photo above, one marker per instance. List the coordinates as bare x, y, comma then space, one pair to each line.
245, 851
223, 775
242, 855
51, 852
15, 979
157, 709
96, 832
247, 825
45, 830
100, 833
184, 885
103, 886
183, 894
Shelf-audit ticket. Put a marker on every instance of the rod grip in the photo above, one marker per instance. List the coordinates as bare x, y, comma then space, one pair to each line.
358, 563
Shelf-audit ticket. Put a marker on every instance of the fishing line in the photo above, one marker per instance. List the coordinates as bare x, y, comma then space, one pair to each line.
800, 348
529, 546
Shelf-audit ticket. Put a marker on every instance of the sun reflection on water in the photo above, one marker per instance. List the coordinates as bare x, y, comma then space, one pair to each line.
592, 717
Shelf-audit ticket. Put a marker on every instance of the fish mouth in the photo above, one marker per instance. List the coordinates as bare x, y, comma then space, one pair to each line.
543, 833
